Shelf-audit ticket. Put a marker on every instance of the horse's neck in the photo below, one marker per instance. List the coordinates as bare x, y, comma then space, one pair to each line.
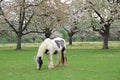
41, 49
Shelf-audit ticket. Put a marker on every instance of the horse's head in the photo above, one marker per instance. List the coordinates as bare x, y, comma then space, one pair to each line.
39, 62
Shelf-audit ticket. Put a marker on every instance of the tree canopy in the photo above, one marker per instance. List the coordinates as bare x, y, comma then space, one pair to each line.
77, 17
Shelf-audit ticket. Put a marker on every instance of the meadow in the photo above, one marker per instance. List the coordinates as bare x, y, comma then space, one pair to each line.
86, 61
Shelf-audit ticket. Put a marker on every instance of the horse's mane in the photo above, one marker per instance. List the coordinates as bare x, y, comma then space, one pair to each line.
43, 46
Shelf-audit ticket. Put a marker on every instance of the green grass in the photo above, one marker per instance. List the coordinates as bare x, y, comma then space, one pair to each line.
86, 61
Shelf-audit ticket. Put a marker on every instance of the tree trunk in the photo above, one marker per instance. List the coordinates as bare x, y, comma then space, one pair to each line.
70, 40
106, 36
105, 42
19, 37
47, 34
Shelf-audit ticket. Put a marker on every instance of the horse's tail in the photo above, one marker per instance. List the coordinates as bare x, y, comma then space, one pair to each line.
63, 57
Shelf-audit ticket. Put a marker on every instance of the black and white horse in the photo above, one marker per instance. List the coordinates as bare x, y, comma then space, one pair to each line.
50, 47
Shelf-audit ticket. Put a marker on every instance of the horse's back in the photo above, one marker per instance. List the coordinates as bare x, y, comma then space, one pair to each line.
47, 40
60, 39
60, 42
56, 43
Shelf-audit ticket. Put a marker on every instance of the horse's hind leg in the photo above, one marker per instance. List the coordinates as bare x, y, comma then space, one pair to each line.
63, 57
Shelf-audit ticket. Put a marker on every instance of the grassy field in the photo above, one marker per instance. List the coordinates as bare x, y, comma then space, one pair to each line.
86, 61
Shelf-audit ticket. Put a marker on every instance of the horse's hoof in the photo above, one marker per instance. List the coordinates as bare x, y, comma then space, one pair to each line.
51, 67
56, 65
64, 64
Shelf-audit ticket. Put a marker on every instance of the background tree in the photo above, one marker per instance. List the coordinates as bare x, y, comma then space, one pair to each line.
50, 16
71, 27
78, 20
103, 14
115, 28
71, 31
18, 15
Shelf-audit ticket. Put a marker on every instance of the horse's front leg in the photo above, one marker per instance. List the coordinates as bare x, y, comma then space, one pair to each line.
50, 65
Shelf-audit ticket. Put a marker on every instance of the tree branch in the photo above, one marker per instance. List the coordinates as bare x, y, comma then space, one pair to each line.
21, 18
10, 25
1, 1
29, 5
102, 20
31, 32
65, 29
7, 21
98, 30
28, 21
